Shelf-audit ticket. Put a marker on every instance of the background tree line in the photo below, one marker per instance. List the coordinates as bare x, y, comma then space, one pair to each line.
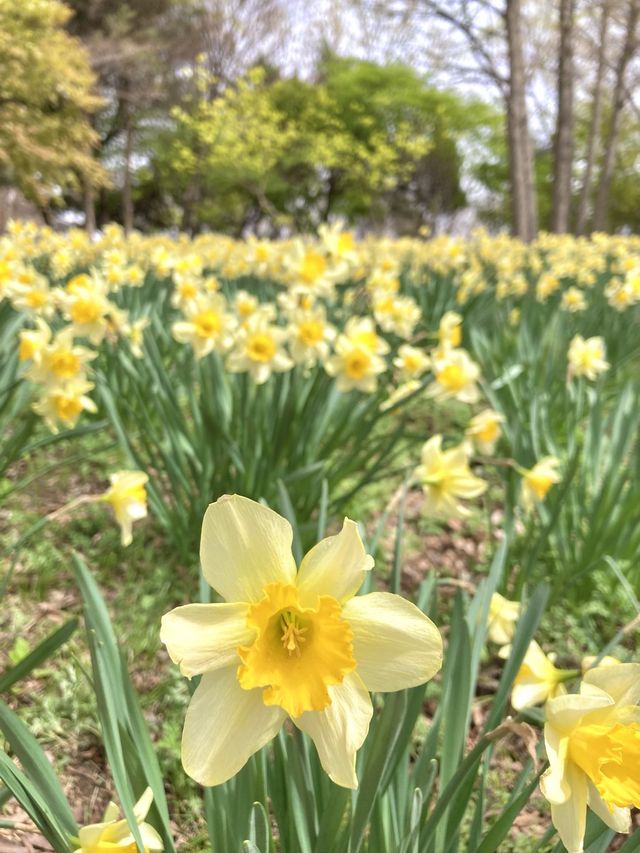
264, 115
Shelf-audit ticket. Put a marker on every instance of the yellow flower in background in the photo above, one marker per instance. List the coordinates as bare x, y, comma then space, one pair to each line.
87, 308
355, 366
593, 746
207, 326
397, 315
289, 642
538, 679
245, 304
128, 498
411, 361
258, 349
450, 330
361, 332
573, 300
60, 360
33, 341
446, 479
456, 375
502, 619
64, 403
114, 834
587, 357
484, 430
310, 335
537, 481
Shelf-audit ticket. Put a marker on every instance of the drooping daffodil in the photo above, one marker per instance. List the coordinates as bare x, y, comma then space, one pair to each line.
592, 740
289, 642
115, 834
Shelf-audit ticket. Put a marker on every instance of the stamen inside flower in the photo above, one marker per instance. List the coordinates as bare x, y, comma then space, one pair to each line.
298, 651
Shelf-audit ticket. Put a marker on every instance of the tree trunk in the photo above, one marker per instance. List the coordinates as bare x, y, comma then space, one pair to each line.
619, 98
127, 195
563, 139
594, 123
523, 199
89, 202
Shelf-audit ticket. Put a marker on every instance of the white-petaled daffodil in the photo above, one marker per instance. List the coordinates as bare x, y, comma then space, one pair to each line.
289, 642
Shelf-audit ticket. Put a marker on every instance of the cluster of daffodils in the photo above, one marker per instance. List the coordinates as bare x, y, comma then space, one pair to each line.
64, 327
342, 304
445, 475
592, 737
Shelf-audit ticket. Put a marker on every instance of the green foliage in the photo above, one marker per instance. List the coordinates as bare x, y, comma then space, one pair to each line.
362, 138
45, 98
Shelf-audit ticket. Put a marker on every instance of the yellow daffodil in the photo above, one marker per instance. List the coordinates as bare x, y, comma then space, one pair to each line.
128, 498
502, 619
310, 336
411, 361
587, 357
538, 679
87, 308
593, 745
33, 341
259, 349
289, 643
361, 332
456, 375
355, 365
397, 315
450, 330
114, 834
484, 430
573, 300
64, 403
60, 360
446, 479
537, 481
207, 326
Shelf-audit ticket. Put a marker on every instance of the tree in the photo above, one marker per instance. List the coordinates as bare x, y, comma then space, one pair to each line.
620, 97
563, 137
46, 96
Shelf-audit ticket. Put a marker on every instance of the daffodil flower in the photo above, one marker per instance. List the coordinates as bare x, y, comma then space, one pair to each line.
128, 498
593, 745
446, 478
114, 834
289, 642
503, 615
538, 679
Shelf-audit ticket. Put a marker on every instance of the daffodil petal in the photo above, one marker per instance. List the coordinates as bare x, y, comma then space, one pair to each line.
204, 637
621, 682
553, 783
224, 726
244, 547
565, 712
570, 817
395, 645
150, 838
336, 566
141, 808
619, 819
91, 834
339, 730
